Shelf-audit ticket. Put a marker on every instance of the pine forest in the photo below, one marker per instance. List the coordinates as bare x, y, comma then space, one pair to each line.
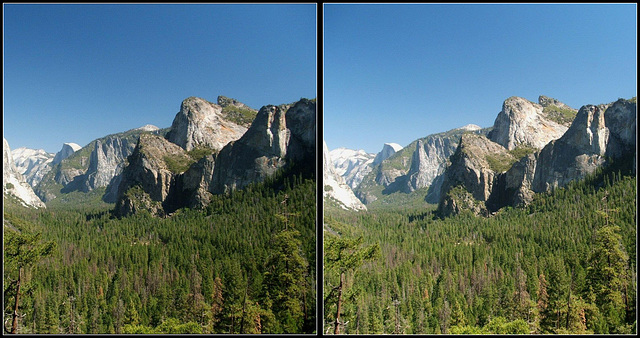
245, 264
565, 264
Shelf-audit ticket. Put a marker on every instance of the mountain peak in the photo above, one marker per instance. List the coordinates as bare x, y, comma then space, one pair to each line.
387, 150
524, 123
202, 123
148, 127
224, 101
67, 150
470, 127
546, 101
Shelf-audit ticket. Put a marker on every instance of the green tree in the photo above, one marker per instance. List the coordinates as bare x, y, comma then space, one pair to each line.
342, 255
606, 276
21, 251
285, 279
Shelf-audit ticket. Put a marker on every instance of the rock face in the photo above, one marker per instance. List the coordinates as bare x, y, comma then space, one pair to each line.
13, 183
278, 135
429, 161
32, 164
335, 189
596, 134
150, 175
351, 165
195, 184
473, 168
67, 150
585, 146
200, 123
523, 123
162, 176
105, 162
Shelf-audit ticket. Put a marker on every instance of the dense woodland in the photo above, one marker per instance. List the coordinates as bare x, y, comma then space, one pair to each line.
246, 264
564, 264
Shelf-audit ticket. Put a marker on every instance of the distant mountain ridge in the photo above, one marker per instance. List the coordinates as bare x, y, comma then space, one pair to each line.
201, 130
96, 165
531, 148
418, 165
352, 165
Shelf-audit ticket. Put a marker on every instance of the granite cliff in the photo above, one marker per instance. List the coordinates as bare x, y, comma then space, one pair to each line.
596, 136
200, 123
162, 176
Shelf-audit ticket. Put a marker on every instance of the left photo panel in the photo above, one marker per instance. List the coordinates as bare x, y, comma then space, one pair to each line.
159, 168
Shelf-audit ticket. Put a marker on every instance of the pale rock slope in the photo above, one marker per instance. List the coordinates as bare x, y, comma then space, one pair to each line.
200, 123
334, 186
352, 165
13, 182
524, 123
33, 164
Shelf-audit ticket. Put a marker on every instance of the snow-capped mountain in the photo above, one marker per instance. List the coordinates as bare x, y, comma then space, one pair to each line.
334, 186
352, 165
33, 164
13, 182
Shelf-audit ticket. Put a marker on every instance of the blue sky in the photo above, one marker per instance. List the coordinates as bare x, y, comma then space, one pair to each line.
74, 73
395, 73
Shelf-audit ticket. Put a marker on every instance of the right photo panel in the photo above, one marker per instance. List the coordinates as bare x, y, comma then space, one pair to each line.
479, 169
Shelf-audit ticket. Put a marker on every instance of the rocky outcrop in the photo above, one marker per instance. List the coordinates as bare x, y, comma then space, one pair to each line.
474, 166
67, 150
523, 123
351, 165
335, 189
224, 101
387, 150
200, 123
32, 164
278, 135
620, 118
13, 183
597, 134
587, 144
162, 176
516, 189
546, 101
150, 175
195, 184
105, 162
